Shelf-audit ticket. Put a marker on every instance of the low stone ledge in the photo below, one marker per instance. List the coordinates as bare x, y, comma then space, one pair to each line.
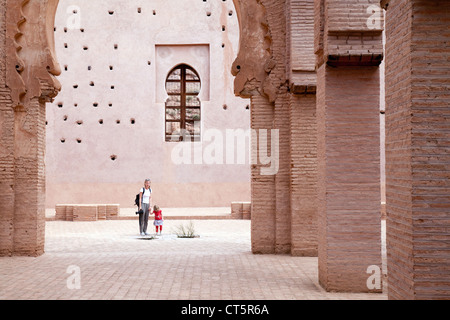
86, 212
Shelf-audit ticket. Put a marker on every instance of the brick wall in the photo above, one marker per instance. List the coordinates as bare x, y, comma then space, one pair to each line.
417, 140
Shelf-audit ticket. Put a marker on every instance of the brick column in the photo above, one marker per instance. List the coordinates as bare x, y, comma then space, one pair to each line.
348, 149
29, 182
417, 149
303, 131
27, 82
263, 186
303, 144
6, 149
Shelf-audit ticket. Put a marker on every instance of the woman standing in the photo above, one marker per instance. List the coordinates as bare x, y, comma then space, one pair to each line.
145, 200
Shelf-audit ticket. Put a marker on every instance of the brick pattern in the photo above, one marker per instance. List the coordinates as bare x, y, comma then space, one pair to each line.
87, 212
348, 145
348, 15
301, 35
303, 175
352, 32
241, 210
282, 178
349, 176
417, 142
262, 186
6, 149
29, 217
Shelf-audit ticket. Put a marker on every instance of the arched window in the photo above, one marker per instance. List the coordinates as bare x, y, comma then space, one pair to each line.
183, 105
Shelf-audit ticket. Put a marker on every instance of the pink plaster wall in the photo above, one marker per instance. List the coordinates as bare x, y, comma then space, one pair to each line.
141, 41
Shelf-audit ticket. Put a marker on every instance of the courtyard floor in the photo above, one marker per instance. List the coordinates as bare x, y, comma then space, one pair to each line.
109, 260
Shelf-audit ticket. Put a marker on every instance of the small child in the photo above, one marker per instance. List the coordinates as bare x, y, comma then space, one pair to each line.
158, 218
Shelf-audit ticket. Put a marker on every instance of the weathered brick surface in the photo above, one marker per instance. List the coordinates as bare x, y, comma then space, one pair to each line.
85, 213
263, 186
303, 175
6, 149
349, 176
417, 144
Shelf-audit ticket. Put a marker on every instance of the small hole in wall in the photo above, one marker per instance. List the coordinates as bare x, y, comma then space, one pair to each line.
149, 62
112, 87
113, 157
54, 29
63, 140
75, 105
154, 12
110, 104
225, 107
65, 30
75, 11
208, 14
85, 48
89, 68
116, 46
111, 12
79, 122
91, 83
46, 122
139, 10
230, 13
238, 67
79, 140
82, 29
66, 67
223, 45
111, 68
75, 86
60, 104
247, 107
100, 121
95, 104
65, 45
223, 28
118, 121
133, 121
65, 118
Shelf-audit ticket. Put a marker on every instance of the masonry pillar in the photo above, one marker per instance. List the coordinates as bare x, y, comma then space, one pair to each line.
302, 127
6, 149
263, 207
26, 83
349, 50
417, 149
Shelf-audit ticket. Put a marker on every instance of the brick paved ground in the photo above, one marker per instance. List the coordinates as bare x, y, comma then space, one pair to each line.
115, 263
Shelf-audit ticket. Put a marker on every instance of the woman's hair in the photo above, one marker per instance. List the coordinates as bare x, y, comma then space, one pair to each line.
147, 180
155, 207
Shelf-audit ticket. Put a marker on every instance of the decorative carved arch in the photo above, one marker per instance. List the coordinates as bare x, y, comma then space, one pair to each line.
254, 61
30, 41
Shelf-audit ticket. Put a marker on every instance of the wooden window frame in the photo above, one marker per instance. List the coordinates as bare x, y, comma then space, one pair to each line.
183, 94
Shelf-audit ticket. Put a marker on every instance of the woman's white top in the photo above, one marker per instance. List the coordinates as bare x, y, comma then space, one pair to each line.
146, 194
